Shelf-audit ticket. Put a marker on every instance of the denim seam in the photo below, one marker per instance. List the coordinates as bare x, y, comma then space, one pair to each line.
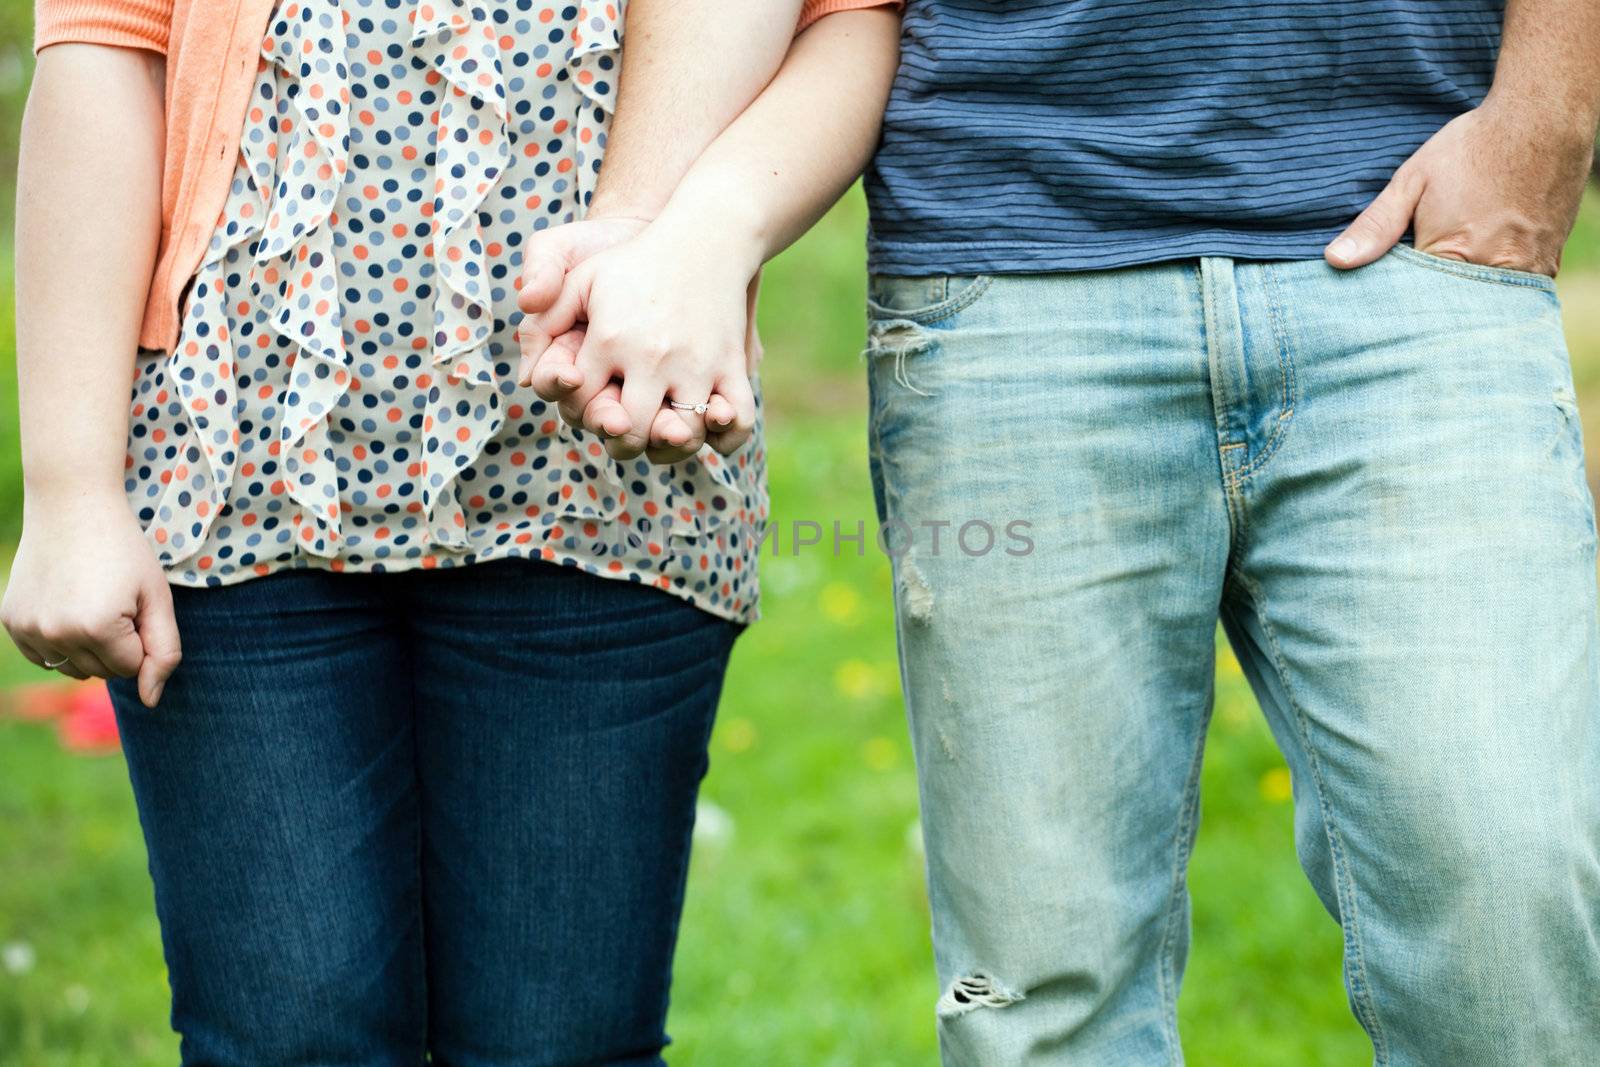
1477, 272
685, 854
1208, 320
1166, 970
1360, 984
927, 316
1290, 392
421, 961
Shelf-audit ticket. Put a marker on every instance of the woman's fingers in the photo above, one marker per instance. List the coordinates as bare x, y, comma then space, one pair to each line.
160, 647
70, 669
675, 436
674, 429
68, 661
734, 390
720, 415
121, 652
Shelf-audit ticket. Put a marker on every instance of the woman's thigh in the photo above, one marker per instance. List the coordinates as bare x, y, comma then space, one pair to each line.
276, 786
562, 729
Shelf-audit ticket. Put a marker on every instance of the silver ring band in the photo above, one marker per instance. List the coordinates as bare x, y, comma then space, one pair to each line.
698, 409
58, 664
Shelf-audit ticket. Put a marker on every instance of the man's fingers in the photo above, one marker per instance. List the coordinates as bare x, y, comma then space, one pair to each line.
1380, 227
536, 331
736, 393
595, 371
158, 637
543, 272
605, 414
642, 396
555, 374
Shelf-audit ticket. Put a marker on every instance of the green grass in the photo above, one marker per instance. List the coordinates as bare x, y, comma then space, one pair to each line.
806, 937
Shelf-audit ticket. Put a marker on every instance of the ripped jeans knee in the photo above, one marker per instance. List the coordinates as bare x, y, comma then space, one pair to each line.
973, 991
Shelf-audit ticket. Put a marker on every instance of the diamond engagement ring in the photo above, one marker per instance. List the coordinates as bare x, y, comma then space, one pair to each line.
62, 662
698, 409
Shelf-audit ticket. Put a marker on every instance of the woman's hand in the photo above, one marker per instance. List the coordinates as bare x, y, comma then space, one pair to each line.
668, 319
86, 592
547, 257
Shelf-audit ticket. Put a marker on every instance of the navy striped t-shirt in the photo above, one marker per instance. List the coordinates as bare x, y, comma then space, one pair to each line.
1045, 135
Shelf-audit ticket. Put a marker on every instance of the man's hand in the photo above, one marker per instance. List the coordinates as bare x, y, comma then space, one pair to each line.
1498, 186
547, 258
550, 363
667, 320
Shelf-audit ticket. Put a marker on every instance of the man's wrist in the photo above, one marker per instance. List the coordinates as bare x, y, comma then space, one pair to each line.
606, 204
1546, 117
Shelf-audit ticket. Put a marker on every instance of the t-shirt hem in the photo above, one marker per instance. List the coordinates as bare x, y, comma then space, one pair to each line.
1047, 257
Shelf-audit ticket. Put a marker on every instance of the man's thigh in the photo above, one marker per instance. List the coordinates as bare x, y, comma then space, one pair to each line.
275, 785
1415, 599
1047, 468
563, 724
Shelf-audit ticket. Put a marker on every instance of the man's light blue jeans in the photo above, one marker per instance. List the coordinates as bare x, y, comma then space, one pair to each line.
1376, 481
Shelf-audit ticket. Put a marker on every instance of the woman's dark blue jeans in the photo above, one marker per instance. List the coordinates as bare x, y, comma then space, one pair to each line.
440, 813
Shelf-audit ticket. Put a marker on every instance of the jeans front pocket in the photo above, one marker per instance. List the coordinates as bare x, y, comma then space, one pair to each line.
925, 299
1474, 271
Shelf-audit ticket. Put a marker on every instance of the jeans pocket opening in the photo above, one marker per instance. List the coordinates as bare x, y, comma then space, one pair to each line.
951, 294
1475, 271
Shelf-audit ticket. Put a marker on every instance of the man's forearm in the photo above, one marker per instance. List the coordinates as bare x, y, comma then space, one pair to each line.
1549, 64
794, 151
88, 225
689, 68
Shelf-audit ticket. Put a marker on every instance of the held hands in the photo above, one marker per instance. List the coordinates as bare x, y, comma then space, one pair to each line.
1498, 186
631, 327
88, 597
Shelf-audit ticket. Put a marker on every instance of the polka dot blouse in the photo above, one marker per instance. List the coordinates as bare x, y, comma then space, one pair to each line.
342, 393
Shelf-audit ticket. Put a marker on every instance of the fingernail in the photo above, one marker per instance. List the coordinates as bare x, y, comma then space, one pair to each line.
1343, 248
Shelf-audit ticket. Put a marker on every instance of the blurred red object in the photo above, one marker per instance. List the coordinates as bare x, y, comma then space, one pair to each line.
81, 710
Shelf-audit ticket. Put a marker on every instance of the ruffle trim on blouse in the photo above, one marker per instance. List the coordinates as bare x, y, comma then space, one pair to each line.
294, 280
203, 368
593, 62
458, 40
295, 275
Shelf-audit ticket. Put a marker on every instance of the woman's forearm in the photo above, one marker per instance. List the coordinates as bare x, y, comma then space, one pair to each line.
88, 226
798, 147
689, 68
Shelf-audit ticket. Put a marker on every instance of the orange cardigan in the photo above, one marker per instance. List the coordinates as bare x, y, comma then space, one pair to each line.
212, 49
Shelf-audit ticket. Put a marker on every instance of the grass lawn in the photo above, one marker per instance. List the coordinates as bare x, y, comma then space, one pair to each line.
805, 942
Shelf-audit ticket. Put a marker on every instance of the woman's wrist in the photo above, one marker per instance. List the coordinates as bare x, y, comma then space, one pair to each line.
45, 496
713, 223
